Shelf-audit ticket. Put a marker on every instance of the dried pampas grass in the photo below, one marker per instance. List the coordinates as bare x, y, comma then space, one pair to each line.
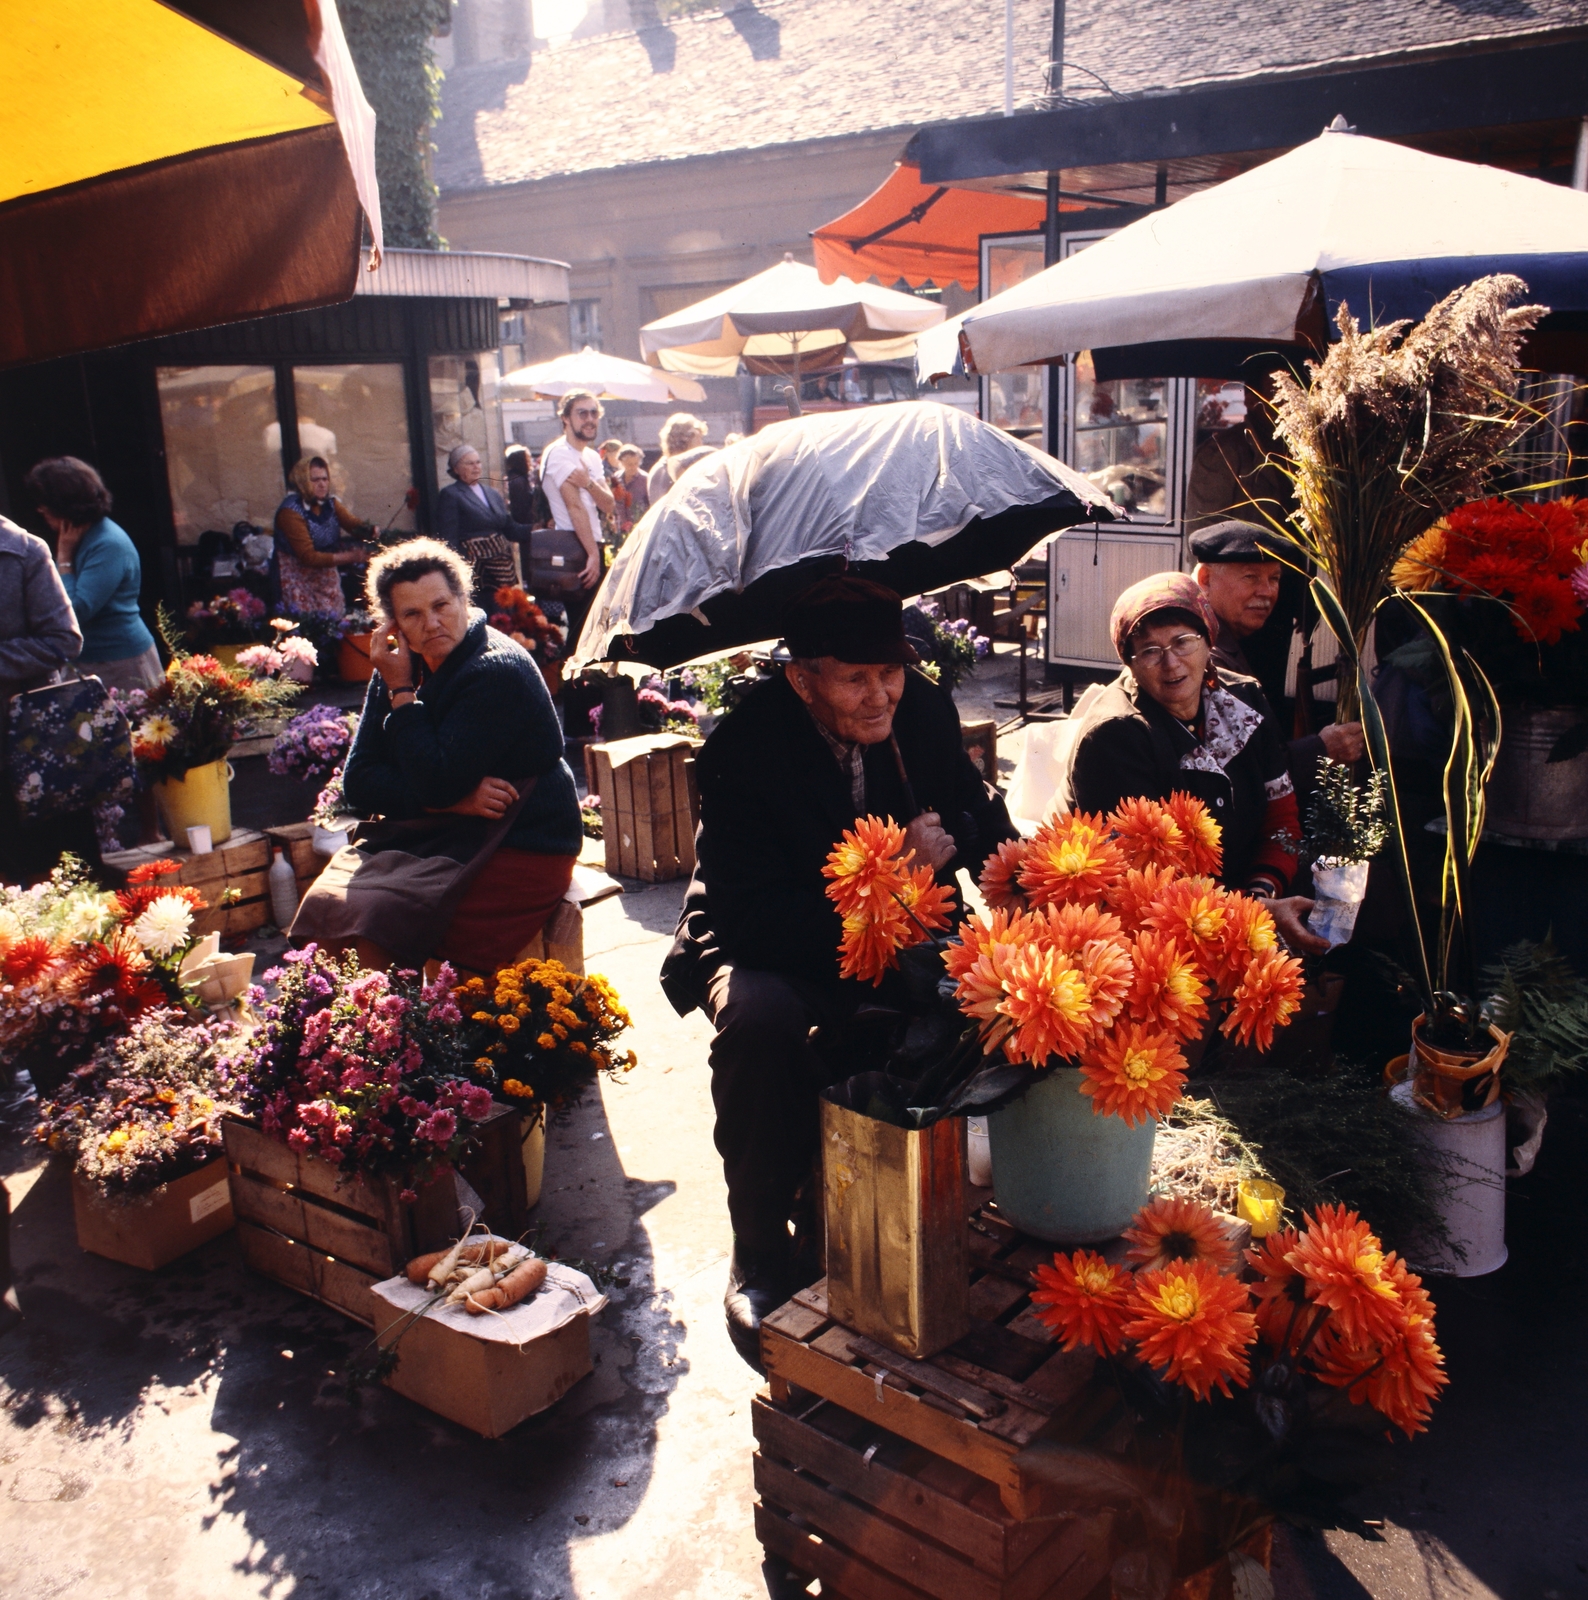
1394, 429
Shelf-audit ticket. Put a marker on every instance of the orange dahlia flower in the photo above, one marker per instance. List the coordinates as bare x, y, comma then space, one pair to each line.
1267, 997
999, 876
1203, 851
1347, 1270
1147, 835
1174, 1228
1070, 858
1072, 927
872, 940
926, 901
1050, 1004
865, 861
1193, 912
976, 934
1168, 987
1108, 972
1132, 896
982, 986
1193, 1323
1083, 1300
1248, 933
27, 959
1133, 1071
1281, 1291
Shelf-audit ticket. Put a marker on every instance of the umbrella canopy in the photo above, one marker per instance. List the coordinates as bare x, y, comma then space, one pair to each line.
914, 495
165, 167
779, 318
606, 377
920, 232
1268, 256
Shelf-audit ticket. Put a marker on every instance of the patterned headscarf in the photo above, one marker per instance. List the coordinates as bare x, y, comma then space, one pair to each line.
1163, 591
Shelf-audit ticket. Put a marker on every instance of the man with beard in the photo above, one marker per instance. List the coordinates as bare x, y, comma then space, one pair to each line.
575, 481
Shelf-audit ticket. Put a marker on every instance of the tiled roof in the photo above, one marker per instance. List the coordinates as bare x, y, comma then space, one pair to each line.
780, 71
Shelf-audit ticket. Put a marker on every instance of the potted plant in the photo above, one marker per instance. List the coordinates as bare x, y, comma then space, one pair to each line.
543, 1034
141, 1122
313, 746
225, 622
1347, 825
355, 632
183, 728
79, 966
333, 822
950, 650
291, 656
1260, 1385
1507, 582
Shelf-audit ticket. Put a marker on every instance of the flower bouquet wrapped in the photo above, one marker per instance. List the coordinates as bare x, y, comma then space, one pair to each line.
313, 746
363, 1069
79, 966
543, 1033
1241, 1374
1107, 946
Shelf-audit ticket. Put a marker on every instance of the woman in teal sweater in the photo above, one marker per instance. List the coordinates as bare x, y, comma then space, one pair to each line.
99, 565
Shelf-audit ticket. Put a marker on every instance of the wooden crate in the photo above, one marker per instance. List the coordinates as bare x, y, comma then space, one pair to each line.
331, 1235
648, 805
979, 1403
296, 840
981, 745
562, 939
242, 863
878, 1518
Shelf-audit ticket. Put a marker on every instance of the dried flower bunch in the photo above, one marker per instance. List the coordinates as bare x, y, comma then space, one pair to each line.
543, 1032
148, 1107
1327, 1304
1108, 945
363, 1069
78, 966
313, 746
1398, 426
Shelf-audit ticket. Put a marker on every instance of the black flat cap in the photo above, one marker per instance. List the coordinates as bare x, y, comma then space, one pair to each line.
850, 618
1232, 541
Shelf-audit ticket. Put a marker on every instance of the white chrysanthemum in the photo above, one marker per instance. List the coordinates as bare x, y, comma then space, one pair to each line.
156, 730
164, 926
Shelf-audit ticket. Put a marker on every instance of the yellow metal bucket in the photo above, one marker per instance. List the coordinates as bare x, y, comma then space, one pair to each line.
204, 795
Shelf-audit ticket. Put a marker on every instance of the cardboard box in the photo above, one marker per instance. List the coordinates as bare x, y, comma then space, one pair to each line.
649, 806
150, 1230
488, 1373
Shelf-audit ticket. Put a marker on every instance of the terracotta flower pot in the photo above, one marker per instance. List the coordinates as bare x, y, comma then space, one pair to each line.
352, 658
1453, 1083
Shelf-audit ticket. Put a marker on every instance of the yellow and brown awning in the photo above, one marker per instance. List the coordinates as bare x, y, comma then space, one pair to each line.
165, 167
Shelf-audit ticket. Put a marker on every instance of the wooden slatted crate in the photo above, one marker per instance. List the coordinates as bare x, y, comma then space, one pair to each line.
296, 840
649, 806
242, 863
876, 1517
330, 1235
979, 1403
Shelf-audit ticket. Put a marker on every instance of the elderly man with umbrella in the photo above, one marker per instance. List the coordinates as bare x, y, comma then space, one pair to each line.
848, 729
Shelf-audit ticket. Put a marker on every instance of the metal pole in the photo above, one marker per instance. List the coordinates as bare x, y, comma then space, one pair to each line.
1579, 167
1009, 58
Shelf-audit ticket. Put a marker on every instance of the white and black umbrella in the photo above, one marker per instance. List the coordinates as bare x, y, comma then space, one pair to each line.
914, 496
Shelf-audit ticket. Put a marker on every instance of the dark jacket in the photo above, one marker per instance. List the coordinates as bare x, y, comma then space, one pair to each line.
1128, 745
484, 713
460, 516
1301, 753
773, 803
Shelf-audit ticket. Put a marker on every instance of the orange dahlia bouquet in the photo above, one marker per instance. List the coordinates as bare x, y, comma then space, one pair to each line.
1108, 945
1266, 1380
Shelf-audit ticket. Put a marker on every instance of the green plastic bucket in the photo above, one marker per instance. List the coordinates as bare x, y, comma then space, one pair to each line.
1061, 1172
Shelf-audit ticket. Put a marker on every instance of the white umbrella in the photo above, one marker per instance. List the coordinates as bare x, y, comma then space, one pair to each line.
1387, 229
782, 315
606, 377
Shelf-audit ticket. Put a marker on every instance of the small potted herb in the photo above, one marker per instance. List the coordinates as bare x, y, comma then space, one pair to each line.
1347, 825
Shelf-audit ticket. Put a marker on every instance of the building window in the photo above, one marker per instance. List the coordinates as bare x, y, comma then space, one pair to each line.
463, 410
1017, 401
356, 416
584, 324
222, 447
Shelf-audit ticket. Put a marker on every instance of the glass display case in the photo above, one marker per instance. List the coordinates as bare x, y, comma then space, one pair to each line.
1015, 401
356, 417
222, 447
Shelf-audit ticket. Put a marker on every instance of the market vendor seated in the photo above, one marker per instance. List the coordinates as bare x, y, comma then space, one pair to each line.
847, 730
1173, 720
1238, 568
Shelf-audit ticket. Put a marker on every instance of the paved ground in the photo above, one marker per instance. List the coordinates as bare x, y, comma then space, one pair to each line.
190, 1435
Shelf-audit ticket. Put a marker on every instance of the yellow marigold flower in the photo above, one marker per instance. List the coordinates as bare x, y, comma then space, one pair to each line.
546, 1042
483, 1016
509, 1023
579, 1047
521, 1009
558, 1029
482, 1063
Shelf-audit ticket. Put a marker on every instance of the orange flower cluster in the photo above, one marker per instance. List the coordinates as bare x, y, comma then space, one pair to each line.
1526, 553
886, 905
1329, 1298
1107, 944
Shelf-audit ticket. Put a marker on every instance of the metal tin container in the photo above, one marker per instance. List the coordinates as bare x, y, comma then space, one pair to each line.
1530, 797
898, 1259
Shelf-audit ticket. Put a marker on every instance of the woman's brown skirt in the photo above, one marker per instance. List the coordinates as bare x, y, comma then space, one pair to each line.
505, 907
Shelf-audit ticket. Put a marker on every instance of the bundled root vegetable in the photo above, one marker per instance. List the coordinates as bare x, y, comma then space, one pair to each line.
480, 1274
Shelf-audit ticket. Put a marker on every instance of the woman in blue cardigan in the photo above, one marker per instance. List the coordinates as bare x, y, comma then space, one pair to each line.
99, 566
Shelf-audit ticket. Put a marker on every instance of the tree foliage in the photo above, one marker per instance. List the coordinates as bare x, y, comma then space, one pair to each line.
390, 42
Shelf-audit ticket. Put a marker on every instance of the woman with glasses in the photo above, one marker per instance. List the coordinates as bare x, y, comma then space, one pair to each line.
1171, 720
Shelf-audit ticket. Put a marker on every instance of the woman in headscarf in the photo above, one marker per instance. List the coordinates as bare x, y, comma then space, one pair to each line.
312, 529
1172, 720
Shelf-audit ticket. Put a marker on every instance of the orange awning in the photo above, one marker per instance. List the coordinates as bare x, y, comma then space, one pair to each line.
919, 232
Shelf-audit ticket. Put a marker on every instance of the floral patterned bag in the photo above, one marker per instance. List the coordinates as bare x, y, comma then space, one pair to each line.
70, 749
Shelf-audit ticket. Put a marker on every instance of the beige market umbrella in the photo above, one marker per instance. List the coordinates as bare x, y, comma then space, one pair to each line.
783, 318
606, 377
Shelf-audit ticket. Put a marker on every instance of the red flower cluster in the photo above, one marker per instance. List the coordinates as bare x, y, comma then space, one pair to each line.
1523, 552
145, 886
1328, 1298
522, 620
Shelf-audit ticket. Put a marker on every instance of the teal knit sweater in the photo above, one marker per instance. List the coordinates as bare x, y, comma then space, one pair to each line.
103, 588
484, 713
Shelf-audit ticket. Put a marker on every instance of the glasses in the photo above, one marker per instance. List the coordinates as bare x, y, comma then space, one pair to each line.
1182, 647
586, 416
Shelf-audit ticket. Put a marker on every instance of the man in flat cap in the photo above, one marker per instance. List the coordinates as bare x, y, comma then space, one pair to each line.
1238, 567
848, 729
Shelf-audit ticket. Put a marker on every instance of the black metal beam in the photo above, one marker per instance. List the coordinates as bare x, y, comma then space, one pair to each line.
1488, 89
